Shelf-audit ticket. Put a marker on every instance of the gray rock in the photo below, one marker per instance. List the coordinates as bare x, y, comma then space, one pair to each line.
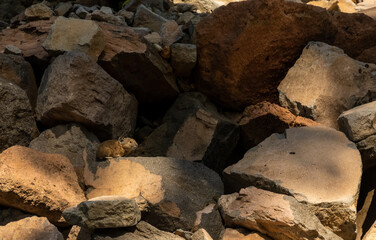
106, 10
132, 5
104, 212
38, 11
101, 16
146, 18
10, 49
170, 32
8, 215
62, 8
81, 12
209, 219
183, 58
75, 88
185, 18
201, 234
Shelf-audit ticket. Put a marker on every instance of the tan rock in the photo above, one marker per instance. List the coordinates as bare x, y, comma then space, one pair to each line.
201, 234
38, 11
346, 6
35, 182
242, 234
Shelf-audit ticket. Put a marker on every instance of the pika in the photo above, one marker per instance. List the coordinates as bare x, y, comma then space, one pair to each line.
116, 148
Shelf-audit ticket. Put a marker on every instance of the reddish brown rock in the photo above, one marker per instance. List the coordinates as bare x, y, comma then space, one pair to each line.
246, 48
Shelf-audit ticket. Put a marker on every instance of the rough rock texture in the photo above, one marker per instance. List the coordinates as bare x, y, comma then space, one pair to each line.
38, 11
30, 228
263, 119
68, 34
367, 149
279, 216
17, 123
16, 70
99, 15
296, 162
201, 234
104, 212
192, 130
146, 18
143, 231
175, 189
75, 89
210, 220
72, 141
360, 122
242, 234
324, 82
125, 58
183, 58
44, 184
260, 40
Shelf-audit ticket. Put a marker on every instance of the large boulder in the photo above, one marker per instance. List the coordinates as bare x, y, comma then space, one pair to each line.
40, 183
318, 166
260, 40
17, 123
75, 88
277, 215
324, 82
175, 189
72, 141
69, 34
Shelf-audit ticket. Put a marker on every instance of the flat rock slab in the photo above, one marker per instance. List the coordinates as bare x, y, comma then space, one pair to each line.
317, 165
324, 82
277, 215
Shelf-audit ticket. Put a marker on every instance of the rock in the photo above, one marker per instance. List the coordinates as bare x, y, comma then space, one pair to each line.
10, 49
192, 130
346, 6
185, 18
126, 57
367, 149
127, 15
183, 58
303, 91
38, 11
106, 10
281, 216
16, 70
185, 7
360, 122
201, 234
17, 123
62, 8
99, 15
296, 162
210, 220
104, 212
29, 229
72, 141
69, 34
206, 6
263, 119
143, 231
170, 32
175, 189
8, 215
242, 234
146, 18
40, 183
251, 61
81, 12
132, 5
75, 89
153, 37
79, 233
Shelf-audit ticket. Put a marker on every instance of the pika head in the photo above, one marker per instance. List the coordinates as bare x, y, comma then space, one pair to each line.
128, 143
116, 148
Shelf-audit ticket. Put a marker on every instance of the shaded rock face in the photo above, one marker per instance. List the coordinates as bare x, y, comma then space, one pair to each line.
72, 141
17, 123
164, 182
8, 215
30, 228
260, 40
300, 160
281, 217
367, 148
324, 82
146, 18
35, 182
75, 89
209, 219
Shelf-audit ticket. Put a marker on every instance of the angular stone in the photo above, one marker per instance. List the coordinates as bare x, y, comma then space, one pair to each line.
360, 122
304, 90
75, 88
38, 11
40, 183
263, 119
29, 229
69, 34
257, 49
72, 141
201, 234
63, 8
10, 49
205, 6
277, 215
210, 220
241, 234
17, 123
146, 18
164, 182
106, 10
346, 6
99, 15
298, 161
183, 58
104, 212
170, 32
132, 5
367, 149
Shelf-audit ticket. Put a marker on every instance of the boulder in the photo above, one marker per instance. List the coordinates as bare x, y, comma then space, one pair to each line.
193, 130
72, 141
16, 70
40, 183
68, 34
30, 228
104, 212
146, 18
38, 11
242, 234
360, 122
296, 163
17, 123
367, 149
175, 189
183, 58
260, 40
138, 67
263, 119
281, 216
75, 88
305, 90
